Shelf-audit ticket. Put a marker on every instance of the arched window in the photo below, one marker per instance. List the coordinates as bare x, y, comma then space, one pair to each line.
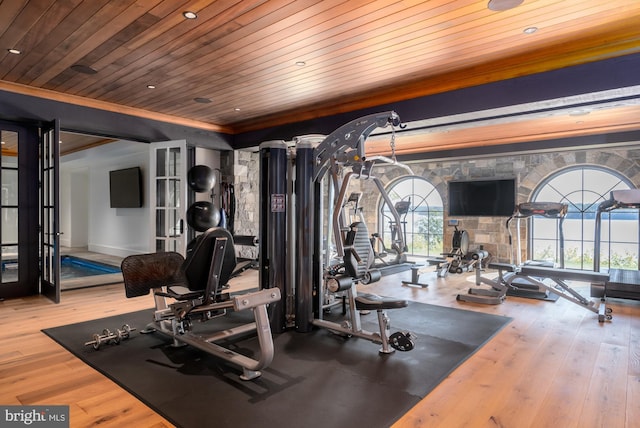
423, 220
583, 188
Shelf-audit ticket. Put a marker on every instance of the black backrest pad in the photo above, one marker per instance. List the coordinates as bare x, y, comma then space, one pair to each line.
199, 254
357, 240
143, 272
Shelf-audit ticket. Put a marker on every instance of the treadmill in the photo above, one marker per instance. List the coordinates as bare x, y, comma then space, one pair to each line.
623, 283
525, 210
553, 210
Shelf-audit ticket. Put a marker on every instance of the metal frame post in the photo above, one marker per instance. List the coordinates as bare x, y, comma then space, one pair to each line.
273, 227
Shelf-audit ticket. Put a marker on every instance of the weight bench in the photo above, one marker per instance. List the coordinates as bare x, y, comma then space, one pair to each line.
562, 289
510, 275
194, 286
357, 260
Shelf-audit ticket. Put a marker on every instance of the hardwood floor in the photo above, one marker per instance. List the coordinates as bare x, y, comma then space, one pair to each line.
553, 365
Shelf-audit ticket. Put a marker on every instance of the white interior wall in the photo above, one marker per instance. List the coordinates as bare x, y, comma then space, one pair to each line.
86, 215
80, 208
117, 231
74, 207
86, 219
66, 228
210, 158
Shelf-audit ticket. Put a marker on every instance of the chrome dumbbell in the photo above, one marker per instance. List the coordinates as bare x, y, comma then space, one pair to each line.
108, 337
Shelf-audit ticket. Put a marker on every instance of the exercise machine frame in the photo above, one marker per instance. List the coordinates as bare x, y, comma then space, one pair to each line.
508, 274
181, 298
522, 278
527, 210
523, 287
452, 262
303, 191
622, 283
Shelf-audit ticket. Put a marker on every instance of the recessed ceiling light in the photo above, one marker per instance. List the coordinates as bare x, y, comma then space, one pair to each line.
236, 109
84, 69
301, 63
151, 86
4, 142
189, 15
530, 30
14, 51
500, 5
202, 100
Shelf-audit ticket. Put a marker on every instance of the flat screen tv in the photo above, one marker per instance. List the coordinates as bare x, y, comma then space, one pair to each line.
496, 198
125, 188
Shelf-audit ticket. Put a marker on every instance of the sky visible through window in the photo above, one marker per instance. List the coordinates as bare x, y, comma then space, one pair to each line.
422, 223
583, 189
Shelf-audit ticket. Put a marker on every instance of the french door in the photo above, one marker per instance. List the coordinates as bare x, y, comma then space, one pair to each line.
168, 195
49, 211
20, 264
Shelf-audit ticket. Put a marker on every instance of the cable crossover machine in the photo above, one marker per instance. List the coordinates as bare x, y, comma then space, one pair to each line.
309, 248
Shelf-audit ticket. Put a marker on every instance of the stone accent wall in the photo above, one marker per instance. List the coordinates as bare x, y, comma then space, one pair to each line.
490, 232
241, 168
528, 169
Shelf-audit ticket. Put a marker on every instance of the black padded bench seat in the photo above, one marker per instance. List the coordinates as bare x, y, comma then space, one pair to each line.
566, 274
624, 276
624, 284
179, 292
374, 303
503, 266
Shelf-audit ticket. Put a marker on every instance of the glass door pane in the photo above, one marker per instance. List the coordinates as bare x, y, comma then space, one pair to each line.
168, 195
49, 214
9, 207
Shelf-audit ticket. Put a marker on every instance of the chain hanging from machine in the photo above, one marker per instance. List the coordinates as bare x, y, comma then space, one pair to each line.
392, 143
393, 160
395, 121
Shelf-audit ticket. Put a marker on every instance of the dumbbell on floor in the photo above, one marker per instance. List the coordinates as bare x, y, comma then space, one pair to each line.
107, 337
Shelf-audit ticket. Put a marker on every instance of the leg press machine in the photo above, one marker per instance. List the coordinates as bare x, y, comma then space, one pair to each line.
194, 287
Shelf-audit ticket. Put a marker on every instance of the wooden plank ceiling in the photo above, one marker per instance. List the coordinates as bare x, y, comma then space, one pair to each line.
69, 142
247, 65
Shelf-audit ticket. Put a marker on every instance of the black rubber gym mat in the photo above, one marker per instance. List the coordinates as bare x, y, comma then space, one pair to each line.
316, 379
